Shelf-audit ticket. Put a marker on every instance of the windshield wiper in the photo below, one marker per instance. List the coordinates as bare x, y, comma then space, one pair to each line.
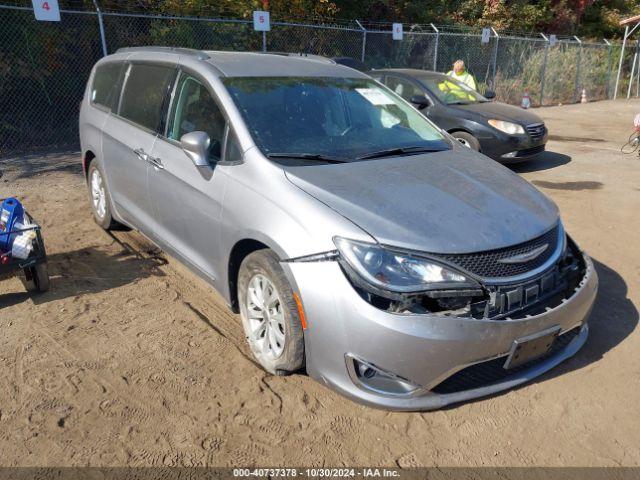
391, 152
307, 156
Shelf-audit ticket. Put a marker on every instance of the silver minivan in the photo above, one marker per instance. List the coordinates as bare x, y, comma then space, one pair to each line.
357, 240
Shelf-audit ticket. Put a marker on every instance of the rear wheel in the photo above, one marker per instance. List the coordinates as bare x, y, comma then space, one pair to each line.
467, 140
36, 279
269, 314
100, 198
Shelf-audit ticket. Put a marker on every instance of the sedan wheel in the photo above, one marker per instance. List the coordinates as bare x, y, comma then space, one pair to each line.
467, 140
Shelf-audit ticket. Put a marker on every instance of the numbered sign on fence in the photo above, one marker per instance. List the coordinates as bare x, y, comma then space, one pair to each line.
261, 21
46, 10
397, 31
552, 40
486, 35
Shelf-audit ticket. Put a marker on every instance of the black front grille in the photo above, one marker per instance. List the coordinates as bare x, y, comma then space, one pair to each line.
536, 131
493, 371
527, 152
485, 264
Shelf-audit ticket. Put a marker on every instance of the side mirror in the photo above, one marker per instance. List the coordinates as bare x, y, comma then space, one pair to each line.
489, 94
420, 101
196, 146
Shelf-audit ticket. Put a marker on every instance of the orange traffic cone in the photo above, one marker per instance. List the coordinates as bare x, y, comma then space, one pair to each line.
583, 97
526, 101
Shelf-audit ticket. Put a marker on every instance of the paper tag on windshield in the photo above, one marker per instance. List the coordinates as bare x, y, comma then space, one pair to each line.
375, 96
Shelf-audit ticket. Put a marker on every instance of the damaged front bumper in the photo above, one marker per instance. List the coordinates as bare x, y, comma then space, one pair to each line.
425, 361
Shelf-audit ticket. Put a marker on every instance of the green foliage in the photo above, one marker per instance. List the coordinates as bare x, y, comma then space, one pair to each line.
595, 75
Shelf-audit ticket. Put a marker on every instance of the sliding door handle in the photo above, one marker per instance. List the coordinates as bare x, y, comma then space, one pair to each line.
141, 154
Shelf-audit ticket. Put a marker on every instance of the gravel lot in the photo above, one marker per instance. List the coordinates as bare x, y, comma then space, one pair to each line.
132, 360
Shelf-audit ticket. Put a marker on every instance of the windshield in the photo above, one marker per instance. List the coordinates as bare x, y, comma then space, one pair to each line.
340, 118
451, 91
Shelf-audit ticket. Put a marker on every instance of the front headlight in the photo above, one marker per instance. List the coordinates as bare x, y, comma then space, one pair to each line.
507, 127
398, 271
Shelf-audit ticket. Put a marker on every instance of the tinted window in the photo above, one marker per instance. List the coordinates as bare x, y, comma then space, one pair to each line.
107, 83
402, 87
195, 110
144, 93
450, 90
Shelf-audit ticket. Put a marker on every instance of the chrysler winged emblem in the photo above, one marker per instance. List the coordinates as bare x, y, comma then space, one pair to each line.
525, 257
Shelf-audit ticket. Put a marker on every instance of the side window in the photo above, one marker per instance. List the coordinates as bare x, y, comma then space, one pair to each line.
107, 83
144, 94
232, 153
195, 110
402, 87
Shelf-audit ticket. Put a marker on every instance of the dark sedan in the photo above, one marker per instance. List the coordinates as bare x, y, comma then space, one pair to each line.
503, 132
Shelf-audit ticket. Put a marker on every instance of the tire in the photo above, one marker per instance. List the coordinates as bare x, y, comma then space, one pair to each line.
467, 140
36, 279
261, 272
100, 202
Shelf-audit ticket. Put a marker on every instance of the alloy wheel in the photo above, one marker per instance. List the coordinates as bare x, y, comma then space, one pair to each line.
463, 142
265, 320
98, 194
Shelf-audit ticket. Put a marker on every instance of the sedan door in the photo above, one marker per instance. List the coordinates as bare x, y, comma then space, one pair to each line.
187, 199
129, 137
408, 88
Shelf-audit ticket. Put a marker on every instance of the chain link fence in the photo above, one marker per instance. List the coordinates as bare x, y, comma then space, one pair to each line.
45, 65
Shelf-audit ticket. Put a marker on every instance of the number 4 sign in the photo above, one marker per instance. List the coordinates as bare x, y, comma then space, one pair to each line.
46, 10
397, 31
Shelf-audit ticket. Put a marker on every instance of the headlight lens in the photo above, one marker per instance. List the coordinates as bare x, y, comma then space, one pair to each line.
507, 127
397, 271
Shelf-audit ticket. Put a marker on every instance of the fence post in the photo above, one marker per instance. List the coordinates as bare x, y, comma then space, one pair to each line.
543, 74
435, 49
638, 78
364, 41
578, 60
495, 59
633, 69
624, 42
101, 25
607, 85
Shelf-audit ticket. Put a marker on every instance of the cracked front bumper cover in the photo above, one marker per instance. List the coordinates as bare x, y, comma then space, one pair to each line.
423, 349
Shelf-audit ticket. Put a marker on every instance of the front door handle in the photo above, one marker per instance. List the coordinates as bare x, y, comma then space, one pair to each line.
155, 161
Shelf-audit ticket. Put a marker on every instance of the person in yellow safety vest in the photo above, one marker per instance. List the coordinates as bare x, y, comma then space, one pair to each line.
460, 73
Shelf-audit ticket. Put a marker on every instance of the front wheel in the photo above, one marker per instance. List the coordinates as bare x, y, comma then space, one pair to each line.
467, 140
269, 314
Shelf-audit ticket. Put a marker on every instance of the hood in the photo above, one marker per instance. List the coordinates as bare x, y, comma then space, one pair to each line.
500, 111
444, 202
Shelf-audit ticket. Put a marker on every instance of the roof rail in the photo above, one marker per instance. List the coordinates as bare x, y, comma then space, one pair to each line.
199, 54
310, 56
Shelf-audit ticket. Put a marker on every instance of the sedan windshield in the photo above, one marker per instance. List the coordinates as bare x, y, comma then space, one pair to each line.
451, 91
340, 119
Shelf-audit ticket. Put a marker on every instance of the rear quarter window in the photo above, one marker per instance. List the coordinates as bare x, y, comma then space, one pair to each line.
144, 93
107, 83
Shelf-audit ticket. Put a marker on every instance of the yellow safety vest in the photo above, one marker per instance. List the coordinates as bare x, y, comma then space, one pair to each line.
465, 78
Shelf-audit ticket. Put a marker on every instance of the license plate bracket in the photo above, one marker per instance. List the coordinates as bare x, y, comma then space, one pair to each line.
531, 347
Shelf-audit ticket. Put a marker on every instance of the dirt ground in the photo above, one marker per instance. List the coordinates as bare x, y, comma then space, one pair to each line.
131, 360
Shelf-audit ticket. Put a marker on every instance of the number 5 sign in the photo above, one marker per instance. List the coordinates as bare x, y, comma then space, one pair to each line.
46, 10
261, 21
